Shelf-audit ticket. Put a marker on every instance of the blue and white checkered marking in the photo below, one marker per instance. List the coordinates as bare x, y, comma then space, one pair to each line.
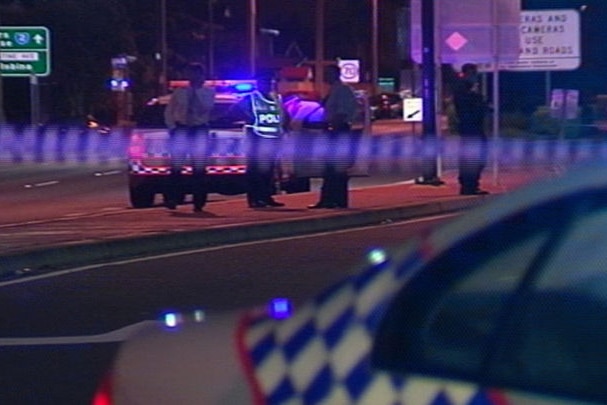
321, 355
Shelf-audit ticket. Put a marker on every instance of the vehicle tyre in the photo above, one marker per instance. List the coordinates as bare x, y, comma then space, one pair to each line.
141, 196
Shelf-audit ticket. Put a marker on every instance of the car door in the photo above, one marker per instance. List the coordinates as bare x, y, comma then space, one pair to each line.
513, 313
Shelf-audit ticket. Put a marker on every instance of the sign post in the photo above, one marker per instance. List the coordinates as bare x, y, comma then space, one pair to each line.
24, 51
474, 31
429, 158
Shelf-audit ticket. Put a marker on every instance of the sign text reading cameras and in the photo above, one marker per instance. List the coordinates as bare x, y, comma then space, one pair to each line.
535, 27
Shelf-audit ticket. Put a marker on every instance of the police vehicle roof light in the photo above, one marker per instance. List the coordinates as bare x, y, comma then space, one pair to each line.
280, 308
243, 87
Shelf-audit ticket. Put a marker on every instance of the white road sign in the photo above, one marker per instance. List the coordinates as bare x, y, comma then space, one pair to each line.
470, 31
413, 109
550, 40
350, 70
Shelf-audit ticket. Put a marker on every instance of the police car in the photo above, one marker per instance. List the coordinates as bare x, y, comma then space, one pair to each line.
502, 306
149, 160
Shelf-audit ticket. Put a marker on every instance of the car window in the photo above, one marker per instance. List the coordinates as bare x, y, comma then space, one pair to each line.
558, 332
521, 304
223, 115
457, 301
457, 330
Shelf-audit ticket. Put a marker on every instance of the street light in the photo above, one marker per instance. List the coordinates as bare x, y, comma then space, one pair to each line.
252, 36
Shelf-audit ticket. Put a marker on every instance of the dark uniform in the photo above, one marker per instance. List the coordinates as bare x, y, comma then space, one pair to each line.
264, 135
471, 110
340, 109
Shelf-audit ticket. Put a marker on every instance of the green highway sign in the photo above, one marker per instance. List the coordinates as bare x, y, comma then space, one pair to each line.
25, 51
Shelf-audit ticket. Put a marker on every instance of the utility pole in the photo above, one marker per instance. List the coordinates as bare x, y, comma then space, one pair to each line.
163, 48
2, 114
252, 36
319, 75
429, 133
375, 47
211, 50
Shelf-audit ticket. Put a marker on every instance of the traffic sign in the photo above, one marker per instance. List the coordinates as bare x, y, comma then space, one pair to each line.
475, 31
550, 40
350, 70
413, 109
25, 51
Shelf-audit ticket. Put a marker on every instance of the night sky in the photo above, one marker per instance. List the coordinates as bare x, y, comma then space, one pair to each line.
348, 33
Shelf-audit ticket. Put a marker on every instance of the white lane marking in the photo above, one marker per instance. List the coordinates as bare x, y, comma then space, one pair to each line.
43, 184
397, 183
54, 182
117, 335
107, 173
388, 222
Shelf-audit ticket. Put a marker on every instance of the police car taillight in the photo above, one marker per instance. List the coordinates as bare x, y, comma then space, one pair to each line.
103, 395
136, 146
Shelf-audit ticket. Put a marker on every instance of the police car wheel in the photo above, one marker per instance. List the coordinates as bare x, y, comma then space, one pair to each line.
141, 196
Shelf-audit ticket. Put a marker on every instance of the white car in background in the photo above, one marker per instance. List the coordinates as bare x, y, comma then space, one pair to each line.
505, 305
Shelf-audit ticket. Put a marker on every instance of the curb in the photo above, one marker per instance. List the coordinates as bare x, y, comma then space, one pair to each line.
34, 263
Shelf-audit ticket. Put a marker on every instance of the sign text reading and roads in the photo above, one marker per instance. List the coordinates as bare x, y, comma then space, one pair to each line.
24, 51
550, 40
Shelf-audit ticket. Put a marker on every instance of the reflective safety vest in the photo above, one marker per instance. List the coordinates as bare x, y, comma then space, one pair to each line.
268, 116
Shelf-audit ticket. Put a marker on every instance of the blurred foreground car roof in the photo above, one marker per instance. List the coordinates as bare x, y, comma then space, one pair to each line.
505, 305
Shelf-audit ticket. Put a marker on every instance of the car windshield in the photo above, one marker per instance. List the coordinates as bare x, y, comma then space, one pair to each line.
223, 115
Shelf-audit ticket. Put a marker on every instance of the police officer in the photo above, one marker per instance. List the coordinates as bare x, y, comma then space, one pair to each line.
187, 117
471, 109
265, 127
340, 110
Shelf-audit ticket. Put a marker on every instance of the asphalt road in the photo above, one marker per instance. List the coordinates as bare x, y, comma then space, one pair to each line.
52, 189
99, 300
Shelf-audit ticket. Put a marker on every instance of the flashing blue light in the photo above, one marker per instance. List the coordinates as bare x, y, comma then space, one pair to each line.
244, 87
119, 84
171, 319
280, 308
377, 256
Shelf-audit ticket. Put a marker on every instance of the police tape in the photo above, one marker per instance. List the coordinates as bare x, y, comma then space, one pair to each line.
395, 153
48, 144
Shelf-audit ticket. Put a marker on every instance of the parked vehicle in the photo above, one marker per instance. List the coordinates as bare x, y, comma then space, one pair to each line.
386, 105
